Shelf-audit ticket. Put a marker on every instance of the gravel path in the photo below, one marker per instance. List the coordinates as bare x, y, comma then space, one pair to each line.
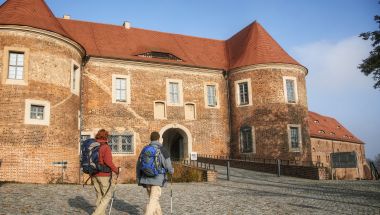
247, 192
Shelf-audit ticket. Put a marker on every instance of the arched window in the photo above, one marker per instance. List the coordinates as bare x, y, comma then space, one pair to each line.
246, 139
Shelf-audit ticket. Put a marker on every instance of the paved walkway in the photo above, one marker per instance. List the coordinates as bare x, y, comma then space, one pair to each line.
247, 193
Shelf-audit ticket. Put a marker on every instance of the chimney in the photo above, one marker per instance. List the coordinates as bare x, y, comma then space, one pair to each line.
66, 16
127, 25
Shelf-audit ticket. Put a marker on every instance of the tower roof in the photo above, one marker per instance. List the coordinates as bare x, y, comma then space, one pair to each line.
33, 13
253, 45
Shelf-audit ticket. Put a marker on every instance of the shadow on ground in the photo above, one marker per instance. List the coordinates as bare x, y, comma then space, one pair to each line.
119, 205
81, 203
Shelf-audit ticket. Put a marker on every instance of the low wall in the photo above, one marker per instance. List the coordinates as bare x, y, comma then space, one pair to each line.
317, 173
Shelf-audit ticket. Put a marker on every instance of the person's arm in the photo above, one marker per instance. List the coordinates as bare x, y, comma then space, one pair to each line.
167, 163
107, 159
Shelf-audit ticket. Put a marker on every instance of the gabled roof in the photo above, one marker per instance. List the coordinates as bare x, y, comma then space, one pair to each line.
103, 40
33, 13
252, 45
329, 128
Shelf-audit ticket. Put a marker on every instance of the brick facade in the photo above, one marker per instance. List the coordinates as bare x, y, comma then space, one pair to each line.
71, 70
28, 151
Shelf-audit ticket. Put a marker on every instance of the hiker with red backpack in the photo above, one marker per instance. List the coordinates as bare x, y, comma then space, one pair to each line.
153, 164
100, 167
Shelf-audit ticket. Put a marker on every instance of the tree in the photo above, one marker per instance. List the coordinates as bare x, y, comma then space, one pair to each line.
371, 65
377, 162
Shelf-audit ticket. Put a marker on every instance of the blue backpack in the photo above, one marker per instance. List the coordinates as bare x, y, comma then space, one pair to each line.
90, 158
150, 161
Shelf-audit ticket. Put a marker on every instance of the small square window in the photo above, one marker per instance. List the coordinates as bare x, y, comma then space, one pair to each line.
37, 112
121, 144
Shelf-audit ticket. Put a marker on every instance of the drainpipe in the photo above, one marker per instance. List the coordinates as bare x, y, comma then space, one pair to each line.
226, 78
85, 60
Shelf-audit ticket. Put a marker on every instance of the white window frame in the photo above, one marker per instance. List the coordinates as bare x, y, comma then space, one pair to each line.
180, 92
133, 143
28, 120
216, 94
195, 111
128, 88
237, 93
5, 73
253, 140
291, 149
154, 110
286, 90
75, 78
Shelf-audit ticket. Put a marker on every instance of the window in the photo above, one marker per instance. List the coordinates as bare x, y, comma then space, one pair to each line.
190, 111
246, 139
211, 96
121, 89
294, 134
243, 92
121, 144
290, 89
159, 110
37, 112
16, 66
160, 55
174, 93
75, 78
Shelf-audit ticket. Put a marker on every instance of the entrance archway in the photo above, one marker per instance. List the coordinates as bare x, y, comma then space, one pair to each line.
177, 140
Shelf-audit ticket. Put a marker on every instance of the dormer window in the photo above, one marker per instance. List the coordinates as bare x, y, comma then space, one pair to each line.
338, 127
321, 131
316, 121
160, 55
332, 133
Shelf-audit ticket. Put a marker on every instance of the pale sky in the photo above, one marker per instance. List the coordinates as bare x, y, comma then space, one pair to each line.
321, 34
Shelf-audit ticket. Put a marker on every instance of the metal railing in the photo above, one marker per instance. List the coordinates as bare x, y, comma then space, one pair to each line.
202, 165
249, 158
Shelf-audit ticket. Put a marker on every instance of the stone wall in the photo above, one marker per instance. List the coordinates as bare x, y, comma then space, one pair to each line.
28, 151
208, 132
309, 172
268, 113
321, 152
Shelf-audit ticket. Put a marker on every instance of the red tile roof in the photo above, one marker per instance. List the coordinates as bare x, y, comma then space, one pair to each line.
33, 13
329, 128
252, 45
113, 41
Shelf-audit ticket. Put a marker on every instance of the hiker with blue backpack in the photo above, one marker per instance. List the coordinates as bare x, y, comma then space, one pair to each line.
153, 164
96, 161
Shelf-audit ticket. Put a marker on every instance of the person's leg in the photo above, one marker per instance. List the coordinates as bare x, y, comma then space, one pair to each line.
153, 207
107, 195
98, 190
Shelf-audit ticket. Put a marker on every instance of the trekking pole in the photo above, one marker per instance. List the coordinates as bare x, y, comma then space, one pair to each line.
171, 194
113, 193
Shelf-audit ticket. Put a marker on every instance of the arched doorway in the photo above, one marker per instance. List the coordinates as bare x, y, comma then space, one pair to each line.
177, 140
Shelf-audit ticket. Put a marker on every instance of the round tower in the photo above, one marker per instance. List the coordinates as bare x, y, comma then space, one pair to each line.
268, 99
40, 81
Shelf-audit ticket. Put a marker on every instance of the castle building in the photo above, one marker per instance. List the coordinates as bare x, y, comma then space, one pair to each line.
62, 80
